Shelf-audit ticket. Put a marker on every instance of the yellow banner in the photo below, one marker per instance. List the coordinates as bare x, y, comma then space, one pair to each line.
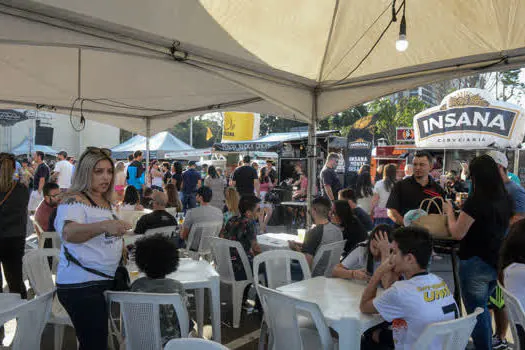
240, 126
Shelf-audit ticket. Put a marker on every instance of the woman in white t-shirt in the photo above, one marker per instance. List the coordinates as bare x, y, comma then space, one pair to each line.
512, 267
361, 263
382, 191
156, 176
91, 247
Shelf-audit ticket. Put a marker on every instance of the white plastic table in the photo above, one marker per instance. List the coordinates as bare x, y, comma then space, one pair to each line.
198, 275
339, 301
272, 241
294, 204
132, 216
10, 300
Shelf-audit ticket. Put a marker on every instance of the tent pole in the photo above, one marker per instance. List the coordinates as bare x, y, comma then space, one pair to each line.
148, 135
312, 157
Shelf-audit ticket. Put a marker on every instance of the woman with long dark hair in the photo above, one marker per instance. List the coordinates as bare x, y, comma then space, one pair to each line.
216, 184
176, 177
131, 199
173, 197
481, 226
92, 247
379, 173
364, 191
353, 230
382, 191
265, 186
14, 198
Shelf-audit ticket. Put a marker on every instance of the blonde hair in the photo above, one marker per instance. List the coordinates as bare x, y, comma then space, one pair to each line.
7, 169
120, 166
84, 171
232, 200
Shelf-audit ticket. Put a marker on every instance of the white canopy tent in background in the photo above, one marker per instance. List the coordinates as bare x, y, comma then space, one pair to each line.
145, 65
160, 143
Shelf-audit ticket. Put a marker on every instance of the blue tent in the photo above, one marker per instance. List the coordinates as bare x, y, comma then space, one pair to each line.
23, 148
160, 144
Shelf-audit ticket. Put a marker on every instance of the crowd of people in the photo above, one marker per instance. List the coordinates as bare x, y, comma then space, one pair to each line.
81, 201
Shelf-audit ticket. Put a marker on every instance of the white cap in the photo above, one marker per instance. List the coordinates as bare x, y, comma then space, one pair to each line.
499, 157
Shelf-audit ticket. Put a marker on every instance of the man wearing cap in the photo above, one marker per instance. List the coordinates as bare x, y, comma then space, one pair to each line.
245, 179
63, 171
191, 180
517, 194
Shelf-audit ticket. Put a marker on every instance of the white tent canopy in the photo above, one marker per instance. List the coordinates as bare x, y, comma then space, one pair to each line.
25, 147
160, 144
162, 61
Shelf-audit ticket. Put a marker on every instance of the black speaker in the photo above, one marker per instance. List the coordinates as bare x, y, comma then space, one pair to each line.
43, 135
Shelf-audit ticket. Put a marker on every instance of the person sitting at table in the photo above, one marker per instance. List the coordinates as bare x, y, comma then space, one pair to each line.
146, 200
231, 197
159, 217
131, 199
364, 260
203, 213
353, 230
324, 232
420, 299
349, 195
157, 256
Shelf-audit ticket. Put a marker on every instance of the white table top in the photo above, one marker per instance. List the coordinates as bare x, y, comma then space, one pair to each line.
191, 274
276, 240
337, 298
10, 300
295, 204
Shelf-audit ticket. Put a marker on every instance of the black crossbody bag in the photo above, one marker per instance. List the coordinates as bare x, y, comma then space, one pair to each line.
121, 280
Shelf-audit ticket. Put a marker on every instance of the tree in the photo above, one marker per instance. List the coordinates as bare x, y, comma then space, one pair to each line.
509, 85
394, 115
271, 124
344, 120
200, 128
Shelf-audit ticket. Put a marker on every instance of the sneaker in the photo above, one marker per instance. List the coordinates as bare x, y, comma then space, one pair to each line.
499, 344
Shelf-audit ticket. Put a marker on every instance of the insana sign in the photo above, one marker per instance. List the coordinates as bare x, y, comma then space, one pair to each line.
470, 118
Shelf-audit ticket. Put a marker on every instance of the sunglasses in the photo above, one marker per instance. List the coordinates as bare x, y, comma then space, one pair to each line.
96, 150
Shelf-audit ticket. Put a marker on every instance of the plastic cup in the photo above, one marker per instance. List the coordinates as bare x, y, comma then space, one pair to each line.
300, 234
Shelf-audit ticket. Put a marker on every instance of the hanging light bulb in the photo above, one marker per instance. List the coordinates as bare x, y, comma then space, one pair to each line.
402, 42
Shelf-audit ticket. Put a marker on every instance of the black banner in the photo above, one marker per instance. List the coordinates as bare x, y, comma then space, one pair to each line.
358, 154
9, 117
241, 147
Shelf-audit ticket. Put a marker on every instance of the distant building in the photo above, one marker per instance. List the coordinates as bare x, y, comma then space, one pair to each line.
425, 93
55, 130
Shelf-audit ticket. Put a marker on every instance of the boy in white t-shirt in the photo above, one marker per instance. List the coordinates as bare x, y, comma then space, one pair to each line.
420, 299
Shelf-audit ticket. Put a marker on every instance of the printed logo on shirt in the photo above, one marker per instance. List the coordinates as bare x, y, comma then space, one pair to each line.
399, 330
435, 291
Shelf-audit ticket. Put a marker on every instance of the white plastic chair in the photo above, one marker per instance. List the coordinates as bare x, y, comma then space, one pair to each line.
168, 231
53, 236
193, 344
31, 318
223, 263
454, 334
36, 225
201, 232
281, 312
328, 255
40, 276
515, 313
278, 273
172, 211
141, 319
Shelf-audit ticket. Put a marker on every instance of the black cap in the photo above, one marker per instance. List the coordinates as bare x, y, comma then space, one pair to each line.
63, 153
246, 159
192, 163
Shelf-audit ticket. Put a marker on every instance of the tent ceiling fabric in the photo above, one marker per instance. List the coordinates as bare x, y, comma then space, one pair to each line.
271, 56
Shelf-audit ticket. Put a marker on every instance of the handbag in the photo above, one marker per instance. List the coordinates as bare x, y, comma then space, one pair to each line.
121, 280
436, 224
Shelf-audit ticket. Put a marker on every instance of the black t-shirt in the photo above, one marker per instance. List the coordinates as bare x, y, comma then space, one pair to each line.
272, 175
491, 221
243, 177
166, 178
156, 219
329, 177
13, 213
354, 234
312, 240
407, 194
42, 171
178, 179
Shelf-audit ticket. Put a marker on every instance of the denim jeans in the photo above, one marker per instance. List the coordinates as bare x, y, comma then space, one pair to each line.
87, 308
188, 201
478, 280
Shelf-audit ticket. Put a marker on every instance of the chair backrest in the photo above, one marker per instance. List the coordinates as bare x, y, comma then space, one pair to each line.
36, 267
281, 314
453, 334
200, 233
193, 344
31, 318
168, 231
221, 250
53, 236
37, 226
516, 315
141, 317
326, 257
172, 211
278, 267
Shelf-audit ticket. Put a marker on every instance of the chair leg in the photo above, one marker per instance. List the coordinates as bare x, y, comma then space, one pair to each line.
199, 301
237, 294
264, 337
59, 335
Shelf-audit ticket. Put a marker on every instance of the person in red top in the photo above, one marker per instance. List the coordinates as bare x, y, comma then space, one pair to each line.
47, 206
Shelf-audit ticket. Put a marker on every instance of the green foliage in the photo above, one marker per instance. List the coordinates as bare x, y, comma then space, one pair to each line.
200, 126
272, 124
393, 115
511, 84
